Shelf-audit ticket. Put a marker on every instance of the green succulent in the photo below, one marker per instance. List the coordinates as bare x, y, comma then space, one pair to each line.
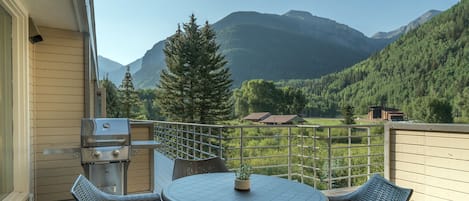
244, 172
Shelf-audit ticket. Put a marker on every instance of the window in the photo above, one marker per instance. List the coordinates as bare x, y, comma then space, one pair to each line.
6, 105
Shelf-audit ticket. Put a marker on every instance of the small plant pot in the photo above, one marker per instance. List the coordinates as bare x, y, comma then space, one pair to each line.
242, 185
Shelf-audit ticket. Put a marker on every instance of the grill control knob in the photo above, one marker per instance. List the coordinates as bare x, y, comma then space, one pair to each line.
97, 154
116, 153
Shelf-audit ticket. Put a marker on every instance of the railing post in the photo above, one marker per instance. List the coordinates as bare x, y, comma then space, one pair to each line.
369, 152
209, 141
349, 157
186, 141
329, 155
289, 153
220, 146
178, 141
314, 157
194, 150
241, 145
201, 139
302, 158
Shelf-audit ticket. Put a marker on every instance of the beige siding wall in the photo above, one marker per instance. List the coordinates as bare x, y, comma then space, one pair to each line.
140, 172
57, 85
434, 164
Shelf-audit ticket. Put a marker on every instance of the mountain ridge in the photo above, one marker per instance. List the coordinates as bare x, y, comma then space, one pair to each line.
406, 28
251, 60
309, 33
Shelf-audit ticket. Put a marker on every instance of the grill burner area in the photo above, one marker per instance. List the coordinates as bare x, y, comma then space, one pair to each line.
105, 152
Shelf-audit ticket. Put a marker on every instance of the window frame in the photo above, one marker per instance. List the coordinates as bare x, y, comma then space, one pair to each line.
21, 96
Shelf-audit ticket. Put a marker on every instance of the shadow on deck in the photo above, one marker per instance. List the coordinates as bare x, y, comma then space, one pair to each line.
163, 171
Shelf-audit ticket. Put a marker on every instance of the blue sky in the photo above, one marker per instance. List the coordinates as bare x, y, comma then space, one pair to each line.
127, 29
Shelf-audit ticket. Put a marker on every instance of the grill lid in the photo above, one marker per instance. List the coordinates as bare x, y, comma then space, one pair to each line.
105, 132
105, 126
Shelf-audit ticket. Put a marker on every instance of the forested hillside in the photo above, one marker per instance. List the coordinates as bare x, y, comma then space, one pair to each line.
426, 67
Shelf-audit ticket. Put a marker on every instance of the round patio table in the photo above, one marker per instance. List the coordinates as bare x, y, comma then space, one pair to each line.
220, 186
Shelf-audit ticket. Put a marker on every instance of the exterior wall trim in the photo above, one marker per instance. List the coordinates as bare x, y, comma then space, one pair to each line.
21, 115
387, 151
458, 128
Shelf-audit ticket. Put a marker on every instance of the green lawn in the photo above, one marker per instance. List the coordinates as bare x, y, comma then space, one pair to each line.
323, 121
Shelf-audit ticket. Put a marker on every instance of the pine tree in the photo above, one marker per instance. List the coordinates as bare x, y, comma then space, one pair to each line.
128, 97
195, 87
347, 113
112, 98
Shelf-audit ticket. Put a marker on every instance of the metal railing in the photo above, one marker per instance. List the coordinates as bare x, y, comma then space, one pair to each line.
325, 157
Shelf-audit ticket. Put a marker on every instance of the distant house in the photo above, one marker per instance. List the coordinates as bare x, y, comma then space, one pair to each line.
257, 116
282, 119
385, 113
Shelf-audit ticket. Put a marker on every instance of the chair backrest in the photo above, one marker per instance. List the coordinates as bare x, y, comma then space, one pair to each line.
83, 189
378, 188
184, 168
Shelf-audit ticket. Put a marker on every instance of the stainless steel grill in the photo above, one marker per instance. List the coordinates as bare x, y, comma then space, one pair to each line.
105, 152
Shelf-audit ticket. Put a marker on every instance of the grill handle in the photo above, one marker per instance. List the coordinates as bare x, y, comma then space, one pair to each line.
92, 140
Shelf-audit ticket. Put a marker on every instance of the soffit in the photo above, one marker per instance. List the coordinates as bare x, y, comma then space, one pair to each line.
59, 14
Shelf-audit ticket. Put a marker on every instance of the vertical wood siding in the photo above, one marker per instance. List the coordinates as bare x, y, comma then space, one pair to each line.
140, 172
57, 69
434, 164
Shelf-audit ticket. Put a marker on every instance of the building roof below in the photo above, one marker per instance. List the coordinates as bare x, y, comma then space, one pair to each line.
282, 119
257, 116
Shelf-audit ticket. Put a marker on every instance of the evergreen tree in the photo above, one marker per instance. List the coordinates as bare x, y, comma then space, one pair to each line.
462, 105
112, 98
431, 110
128, 96
148, 109
347, 113
195, 87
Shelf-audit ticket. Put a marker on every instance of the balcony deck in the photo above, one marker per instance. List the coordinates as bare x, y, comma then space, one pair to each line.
431, 159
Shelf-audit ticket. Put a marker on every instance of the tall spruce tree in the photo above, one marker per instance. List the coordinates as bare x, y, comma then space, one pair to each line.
112, 99
347, 113
128, 97
195, 87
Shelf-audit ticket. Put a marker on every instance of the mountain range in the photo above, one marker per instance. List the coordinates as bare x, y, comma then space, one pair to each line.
295, 45
393, 35
424, 72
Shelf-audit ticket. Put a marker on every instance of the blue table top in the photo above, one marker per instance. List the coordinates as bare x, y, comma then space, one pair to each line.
220, 187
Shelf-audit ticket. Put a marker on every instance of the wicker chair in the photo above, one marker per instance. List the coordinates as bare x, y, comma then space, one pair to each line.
84, 190
376, 188
184, 168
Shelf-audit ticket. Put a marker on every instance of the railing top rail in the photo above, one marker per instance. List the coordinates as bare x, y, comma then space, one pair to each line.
189, 124
341, 126
271, 126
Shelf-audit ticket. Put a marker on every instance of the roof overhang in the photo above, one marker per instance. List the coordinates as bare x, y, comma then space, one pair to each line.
74, 15
61, 14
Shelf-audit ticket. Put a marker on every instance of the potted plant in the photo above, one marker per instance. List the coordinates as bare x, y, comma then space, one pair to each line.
242, 181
